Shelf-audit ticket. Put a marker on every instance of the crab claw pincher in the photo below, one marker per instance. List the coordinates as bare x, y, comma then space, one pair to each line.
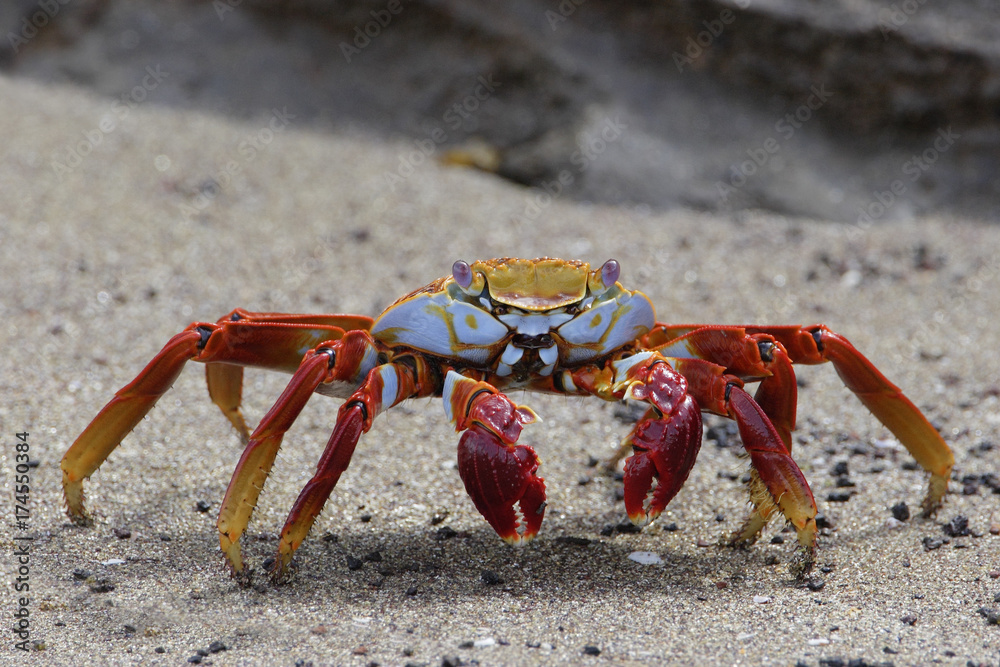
665, 449
499, 476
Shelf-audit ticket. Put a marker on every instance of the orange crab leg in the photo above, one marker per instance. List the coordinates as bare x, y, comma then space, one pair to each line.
241, 338
384, 386
814, 344
345, 361
776, 482
817, 344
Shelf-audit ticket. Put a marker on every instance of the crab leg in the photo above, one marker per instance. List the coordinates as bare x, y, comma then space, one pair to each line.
346, 361
383, 387
499, 476
267, 340
776, 480
816, 344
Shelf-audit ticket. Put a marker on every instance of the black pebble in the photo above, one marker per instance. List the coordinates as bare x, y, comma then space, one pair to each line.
823, 522
490, 578
452, 661
203, 506
992, 616
671, 527
591, 650
365, 518
374, 557
122, 533
839, 497
957, 527
354, 563
901, 512
777, 539
574, 540
932, 543
840, 469
195, 659
215, 647
102, 586
412, 590
909, 619
159, 649
815, 584
445, 533
81, 574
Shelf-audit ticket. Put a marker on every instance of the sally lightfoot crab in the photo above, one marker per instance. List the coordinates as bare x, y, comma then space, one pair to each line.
545, 325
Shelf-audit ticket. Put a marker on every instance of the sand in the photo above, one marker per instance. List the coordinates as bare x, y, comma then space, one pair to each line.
169, 219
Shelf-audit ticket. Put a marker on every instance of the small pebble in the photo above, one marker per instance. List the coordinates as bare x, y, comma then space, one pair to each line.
195, 659
451, 661
159, 649
412, 590
777, 539
484, 642
318, 630
373, 557
466, 644
366, 518
992, 616
203, 506
360, 650
840, 469
591, 650
490, 578
445, 533
215, 647
761, 599
838, 497
957, 527
909, 619
81, 574
122, 533
573, 540
354, 563
815, 584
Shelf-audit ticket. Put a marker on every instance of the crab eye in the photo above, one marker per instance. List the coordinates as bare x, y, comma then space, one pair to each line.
462, 273
610, 272
500, 310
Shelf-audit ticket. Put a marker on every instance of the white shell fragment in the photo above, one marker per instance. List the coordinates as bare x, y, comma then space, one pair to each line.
645, 557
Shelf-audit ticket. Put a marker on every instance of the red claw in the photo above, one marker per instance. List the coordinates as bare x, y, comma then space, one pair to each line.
500, 479
665, 449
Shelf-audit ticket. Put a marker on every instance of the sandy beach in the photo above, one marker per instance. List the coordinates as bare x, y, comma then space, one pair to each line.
169, 219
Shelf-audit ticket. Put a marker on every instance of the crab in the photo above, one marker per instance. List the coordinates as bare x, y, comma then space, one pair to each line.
492, 326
